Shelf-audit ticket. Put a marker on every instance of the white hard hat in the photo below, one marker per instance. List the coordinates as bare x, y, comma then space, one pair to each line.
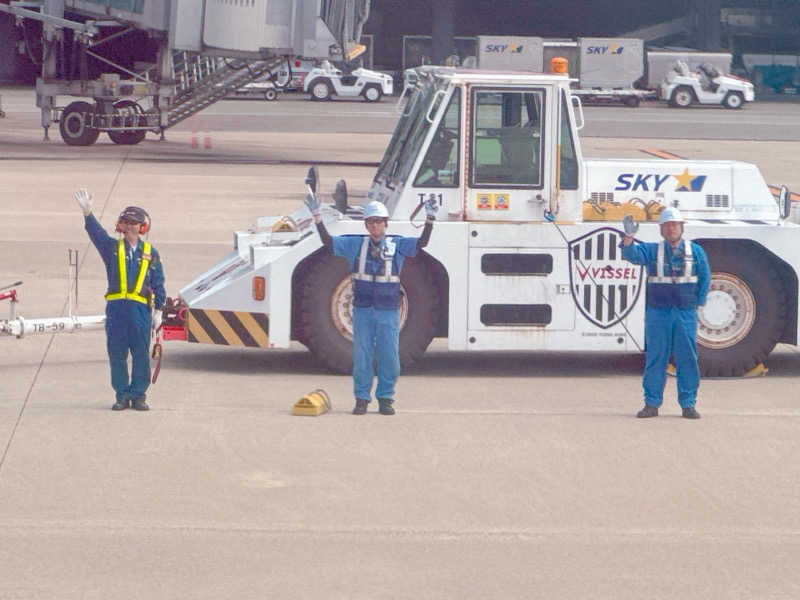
376, 209
670, 214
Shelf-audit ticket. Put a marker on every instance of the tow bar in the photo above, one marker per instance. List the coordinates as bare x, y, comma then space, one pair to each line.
20, 327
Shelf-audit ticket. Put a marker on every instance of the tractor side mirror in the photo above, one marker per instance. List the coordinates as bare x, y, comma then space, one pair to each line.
340, 196
784, 202
312, 179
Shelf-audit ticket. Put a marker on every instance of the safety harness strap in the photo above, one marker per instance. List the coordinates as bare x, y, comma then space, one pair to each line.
362, 275
686, 277
136, 293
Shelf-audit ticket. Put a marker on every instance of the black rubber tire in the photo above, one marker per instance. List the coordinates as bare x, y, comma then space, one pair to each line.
318, 84
632, 101
367, 91
270, 95
332, 347
682, 90
733, 100
756, 270
73, 127
132, 137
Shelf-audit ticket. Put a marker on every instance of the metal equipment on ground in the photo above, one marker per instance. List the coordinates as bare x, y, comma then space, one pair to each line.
206, 50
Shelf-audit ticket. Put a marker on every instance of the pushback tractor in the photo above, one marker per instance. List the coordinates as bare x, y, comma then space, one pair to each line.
524, 255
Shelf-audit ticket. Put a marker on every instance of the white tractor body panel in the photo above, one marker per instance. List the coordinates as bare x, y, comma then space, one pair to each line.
700, 189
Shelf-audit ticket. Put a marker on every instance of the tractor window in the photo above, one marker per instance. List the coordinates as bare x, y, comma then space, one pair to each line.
507, 138
440, 167
568, 162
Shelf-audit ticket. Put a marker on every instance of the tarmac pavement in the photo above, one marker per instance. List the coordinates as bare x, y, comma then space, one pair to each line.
506, 475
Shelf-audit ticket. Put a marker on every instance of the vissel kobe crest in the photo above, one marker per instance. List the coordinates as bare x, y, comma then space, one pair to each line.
605, 287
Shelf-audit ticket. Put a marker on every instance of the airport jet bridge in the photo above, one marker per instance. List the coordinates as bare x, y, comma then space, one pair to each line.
206, 50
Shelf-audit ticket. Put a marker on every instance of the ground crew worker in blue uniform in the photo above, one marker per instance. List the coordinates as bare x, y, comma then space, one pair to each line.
677, 284
135, 285
375, 263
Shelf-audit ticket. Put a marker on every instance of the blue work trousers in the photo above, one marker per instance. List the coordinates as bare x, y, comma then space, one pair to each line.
375, 349
128, 330
670, 332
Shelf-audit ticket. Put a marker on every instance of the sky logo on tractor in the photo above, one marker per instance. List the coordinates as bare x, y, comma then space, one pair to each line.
652, 182
605, 288
614, 49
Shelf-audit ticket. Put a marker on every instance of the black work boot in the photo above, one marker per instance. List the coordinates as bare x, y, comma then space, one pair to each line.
690, 412
140, 404
385, 406
647, 412
121, 404
361, 407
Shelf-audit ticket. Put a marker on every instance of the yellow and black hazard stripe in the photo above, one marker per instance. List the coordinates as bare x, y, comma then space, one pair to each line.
229, 328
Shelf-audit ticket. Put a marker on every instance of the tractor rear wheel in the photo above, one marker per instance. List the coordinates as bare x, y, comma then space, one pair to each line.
744, 313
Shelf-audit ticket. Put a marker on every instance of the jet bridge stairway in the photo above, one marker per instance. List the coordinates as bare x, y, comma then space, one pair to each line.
193, 82
200, 81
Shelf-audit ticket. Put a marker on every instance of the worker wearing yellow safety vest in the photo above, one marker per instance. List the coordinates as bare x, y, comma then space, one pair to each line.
135, 293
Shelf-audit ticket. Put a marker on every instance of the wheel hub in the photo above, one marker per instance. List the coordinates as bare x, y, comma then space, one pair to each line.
729, 312
342, 308
320, 90
74, 124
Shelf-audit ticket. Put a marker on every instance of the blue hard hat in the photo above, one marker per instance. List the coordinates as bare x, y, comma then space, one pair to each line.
670, 214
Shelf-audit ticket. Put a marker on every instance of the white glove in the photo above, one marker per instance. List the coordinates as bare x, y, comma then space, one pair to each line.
84, 199
312, 203
629, 225
431, 207
158, 316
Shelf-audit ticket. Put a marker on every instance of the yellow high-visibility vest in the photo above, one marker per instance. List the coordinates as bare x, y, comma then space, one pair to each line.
136, 293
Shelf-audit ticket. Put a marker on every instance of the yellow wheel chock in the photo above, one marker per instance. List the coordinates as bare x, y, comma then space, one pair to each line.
313, 404
759, 370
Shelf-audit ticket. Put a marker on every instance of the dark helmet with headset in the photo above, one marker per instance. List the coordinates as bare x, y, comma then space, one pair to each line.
134, 214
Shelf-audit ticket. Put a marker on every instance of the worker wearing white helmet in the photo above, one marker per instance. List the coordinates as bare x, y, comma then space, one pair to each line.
677, 284
375, 263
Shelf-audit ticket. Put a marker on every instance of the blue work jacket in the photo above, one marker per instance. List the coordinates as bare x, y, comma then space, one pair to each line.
676, 285
107, 247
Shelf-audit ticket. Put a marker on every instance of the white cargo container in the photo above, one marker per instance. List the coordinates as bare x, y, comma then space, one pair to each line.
605, 68
515, 53
610, 62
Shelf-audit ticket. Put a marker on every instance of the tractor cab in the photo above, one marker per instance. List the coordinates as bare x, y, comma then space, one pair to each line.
487, 146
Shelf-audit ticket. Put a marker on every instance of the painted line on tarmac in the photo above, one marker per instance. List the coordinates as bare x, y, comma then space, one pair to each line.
661, 154
597, 535
215, 158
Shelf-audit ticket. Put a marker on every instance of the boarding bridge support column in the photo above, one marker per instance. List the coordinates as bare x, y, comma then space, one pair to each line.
443, 30
53, 37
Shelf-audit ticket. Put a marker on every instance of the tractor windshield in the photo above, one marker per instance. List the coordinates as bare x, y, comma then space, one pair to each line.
410, 131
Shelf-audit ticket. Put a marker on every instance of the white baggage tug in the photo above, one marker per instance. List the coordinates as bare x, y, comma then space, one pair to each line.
524, 253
